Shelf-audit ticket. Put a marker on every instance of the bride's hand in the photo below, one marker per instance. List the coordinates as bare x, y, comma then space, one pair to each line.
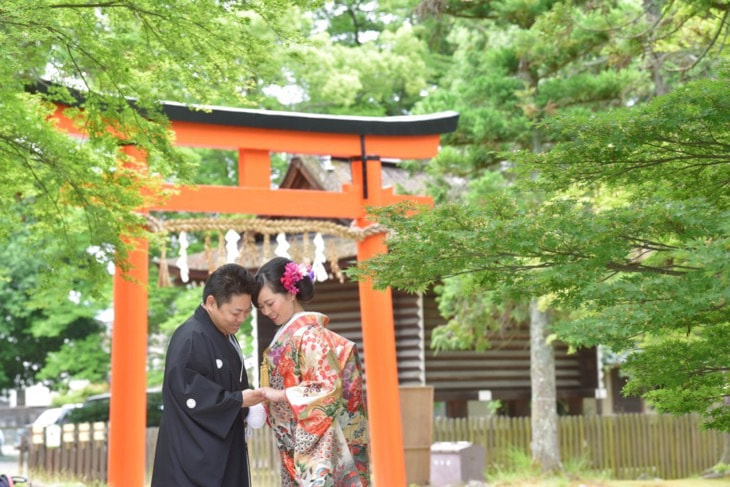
252, 397
274, 395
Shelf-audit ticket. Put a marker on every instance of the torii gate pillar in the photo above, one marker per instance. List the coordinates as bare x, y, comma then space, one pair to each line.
376, 308
127, 416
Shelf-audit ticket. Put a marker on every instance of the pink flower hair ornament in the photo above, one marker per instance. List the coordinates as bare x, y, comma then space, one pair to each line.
293, 273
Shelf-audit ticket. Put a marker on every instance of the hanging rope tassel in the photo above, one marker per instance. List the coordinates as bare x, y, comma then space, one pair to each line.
220, 256
248, 254
209, 257
163, 280
266, 254
334, 261
305, 258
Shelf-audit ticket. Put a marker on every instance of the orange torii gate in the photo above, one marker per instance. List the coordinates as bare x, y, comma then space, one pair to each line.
255, 134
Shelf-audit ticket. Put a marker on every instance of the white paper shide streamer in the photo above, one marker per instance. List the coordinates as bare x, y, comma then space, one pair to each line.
182, 261
282, 246
320, 273
232, 239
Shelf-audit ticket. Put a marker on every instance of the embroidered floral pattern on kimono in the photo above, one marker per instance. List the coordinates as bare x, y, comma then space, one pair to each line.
321, 429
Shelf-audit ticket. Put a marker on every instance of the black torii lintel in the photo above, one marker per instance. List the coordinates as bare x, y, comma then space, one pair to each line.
435, 123
430, 124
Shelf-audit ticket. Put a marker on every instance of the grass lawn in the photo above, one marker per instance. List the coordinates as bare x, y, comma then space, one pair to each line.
671, 483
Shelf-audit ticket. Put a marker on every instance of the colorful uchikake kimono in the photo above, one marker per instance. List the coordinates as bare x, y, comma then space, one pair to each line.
321, 429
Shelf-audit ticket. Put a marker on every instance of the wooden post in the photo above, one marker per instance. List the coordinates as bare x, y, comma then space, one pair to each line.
254, 168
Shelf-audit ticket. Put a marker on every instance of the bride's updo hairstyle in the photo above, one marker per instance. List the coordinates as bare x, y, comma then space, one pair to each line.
284, 276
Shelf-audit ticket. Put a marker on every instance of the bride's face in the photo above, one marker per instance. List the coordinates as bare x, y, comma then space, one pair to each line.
278, 307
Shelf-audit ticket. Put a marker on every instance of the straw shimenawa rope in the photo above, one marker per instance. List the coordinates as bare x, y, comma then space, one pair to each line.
249, 227
263, 226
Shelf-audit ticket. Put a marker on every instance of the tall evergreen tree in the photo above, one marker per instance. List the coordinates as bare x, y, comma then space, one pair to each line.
515, 65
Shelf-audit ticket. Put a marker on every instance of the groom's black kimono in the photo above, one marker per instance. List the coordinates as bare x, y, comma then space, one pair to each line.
201, 439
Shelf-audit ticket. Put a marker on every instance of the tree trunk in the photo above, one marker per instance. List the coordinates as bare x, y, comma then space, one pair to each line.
545, 449
544, 413
725, 460
20, 396
653, 11
715, 472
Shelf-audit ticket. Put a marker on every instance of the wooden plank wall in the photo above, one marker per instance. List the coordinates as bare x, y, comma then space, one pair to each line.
455, 375
504, 369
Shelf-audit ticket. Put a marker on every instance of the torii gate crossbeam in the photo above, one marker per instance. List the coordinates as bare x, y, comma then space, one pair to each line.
255, 134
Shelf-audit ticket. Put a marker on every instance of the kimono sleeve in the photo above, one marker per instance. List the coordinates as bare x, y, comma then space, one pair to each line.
196, 388
315, 396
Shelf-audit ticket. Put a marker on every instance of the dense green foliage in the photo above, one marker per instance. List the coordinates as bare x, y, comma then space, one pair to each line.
73, 197
56, 337
112, 52
526, 76
630, 241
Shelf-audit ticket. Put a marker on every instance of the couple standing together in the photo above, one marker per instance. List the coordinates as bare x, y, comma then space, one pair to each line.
311, 388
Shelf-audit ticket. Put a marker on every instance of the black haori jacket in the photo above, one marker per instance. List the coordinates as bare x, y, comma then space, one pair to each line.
201, 439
